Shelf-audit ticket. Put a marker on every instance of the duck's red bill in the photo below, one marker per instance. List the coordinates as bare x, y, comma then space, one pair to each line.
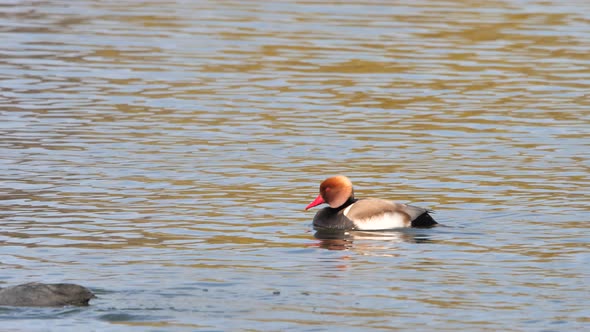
317, 201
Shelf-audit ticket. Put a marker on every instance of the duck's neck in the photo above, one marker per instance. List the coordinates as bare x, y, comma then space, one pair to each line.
348, 202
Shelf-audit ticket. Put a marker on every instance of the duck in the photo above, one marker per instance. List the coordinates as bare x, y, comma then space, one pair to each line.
345, 212
36, 294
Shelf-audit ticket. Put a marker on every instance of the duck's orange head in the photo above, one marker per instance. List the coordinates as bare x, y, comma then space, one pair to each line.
334, 191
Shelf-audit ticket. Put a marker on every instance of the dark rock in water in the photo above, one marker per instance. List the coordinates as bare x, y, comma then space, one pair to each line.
36, 294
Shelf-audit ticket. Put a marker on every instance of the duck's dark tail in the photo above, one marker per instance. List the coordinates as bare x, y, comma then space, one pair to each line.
424, 220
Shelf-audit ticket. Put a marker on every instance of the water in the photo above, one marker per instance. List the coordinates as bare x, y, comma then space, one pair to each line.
162, 152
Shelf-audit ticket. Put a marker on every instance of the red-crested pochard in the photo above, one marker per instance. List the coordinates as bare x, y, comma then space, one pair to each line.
348, 213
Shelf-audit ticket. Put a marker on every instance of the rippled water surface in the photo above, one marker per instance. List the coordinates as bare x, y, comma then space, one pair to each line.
162, 152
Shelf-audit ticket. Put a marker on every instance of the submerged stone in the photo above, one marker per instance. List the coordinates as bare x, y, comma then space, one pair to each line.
35, 294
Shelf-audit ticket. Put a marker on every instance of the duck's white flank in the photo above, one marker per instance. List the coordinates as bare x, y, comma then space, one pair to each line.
347, 209
381, 221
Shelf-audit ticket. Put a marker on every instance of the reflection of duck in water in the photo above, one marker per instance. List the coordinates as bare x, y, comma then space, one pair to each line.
36, 294
348, 213
342, 240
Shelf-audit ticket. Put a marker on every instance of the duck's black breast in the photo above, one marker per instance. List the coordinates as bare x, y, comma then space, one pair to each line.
329, 218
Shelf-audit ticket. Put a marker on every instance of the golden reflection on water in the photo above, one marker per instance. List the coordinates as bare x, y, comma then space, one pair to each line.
184, 139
